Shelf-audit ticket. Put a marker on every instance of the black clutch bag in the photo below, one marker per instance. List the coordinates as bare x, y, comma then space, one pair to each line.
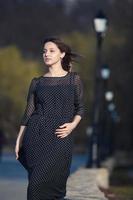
22, 158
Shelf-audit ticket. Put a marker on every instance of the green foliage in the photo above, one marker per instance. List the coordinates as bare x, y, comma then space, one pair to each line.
15, 75
84, 45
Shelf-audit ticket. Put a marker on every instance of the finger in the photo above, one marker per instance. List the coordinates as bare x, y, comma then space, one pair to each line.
60, 134
64, 135
61, 130
17, 153
63, 125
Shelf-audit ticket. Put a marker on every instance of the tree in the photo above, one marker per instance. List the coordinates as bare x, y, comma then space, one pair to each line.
15, 75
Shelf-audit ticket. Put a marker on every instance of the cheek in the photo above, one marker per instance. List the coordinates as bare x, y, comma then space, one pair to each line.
55, 57
58, 56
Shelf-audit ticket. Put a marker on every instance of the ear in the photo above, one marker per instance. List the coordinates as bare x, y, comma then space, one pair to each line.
63, 54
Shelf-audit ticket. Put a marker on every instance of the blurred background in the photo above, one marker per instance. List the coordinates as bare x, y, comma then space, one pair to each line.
105, 135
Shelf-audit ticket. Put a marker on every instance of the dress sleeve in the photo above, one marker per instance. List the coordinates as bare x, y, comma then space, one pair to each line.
30, 107
78, 97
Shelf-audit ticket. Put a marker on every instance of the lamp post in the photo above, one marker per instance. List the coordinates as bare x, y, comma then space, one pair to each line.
105, 72
100, 26
107, 125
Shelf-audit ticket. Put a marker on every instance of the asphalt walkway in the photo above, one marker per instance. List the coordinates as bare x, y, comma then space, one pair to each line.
81, 185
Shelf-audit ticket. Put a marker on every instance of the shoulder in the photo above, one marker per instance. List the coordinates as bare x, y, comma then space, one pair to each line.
35, 78
34, 81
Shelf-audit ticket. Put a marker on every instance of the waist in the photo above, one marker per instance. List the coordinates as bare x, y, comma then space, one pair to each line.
51, 114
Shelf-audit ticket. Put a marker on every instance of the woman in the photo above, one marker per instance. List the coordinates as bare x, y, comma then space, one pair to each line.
54, 109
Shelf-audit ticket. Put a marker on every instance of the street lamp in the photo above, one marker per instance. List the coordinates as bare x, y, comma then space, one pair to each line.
100, 26
109, 95
105, 72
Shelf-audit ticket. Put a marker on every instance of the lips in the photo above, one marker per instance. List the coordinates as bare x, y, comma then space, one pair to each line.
47, 59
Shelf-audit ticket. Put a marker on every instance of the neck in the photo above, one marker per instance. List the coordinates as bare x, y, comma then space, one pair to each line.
56, 69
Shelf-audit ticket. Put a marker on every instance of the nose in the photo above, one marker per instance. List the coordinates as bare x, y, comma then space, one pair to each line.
46, 54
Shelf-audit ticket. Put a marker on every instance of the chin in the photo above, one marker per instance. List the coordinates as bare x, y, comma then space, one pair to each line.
48, 63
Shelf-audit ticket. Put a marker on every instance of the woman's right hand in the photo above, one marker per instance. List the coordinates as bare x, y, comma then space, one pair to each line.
17, 148
19, 141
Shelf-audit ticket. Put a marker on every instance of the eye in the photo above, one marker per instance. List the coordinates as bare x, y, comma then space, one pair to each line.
52, 51
44, 50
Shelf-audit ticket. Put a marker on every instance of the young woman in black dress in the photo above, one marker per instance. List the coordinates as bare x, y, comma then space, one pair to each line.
54, 109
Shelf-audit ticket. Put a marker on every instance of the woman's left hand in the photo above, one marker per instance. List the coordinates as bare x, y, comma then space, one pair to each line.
65, 129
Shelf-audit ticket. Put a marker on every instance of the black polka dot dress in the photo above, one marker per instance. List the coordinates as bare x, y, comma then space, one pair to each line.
51, 102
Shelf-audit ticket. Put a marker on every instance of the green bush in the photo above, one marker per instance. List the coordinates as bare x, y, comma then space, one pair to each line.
15, 76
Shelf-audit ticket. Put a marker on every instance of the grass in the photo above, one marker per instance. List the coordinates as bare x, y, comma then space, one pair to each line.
121, 182
124, 192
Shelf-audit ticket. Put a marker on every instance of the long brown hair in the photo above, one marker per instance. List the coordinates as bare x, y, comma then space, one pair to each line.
69, 55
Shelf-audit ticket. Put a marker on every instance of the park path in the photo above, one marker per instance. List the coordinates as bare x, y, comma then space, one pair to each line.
81, 185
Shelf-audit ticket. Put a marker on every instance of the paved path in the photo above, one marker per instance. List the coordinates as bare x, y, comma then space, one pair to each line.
13, 189
81, 184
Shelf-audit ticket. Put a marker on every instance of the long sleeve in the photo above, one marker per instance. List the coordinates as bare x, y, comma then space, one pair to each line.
78, 98
30, 107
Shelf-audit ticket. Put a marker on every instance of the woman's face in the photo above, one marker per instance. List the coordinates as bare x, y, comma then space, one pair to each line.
52, 54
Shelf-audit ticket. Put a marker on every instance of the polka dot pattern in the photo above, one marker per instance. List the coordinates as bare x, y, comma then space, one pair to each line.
51, 102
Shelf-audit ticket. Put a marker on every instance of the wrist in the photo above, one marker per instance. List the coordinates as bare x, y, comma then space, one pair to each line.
74, 124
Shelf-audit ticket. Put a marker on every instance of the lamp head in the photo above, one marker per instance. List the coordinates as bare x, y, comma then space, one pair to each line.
100, 23
105, 72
